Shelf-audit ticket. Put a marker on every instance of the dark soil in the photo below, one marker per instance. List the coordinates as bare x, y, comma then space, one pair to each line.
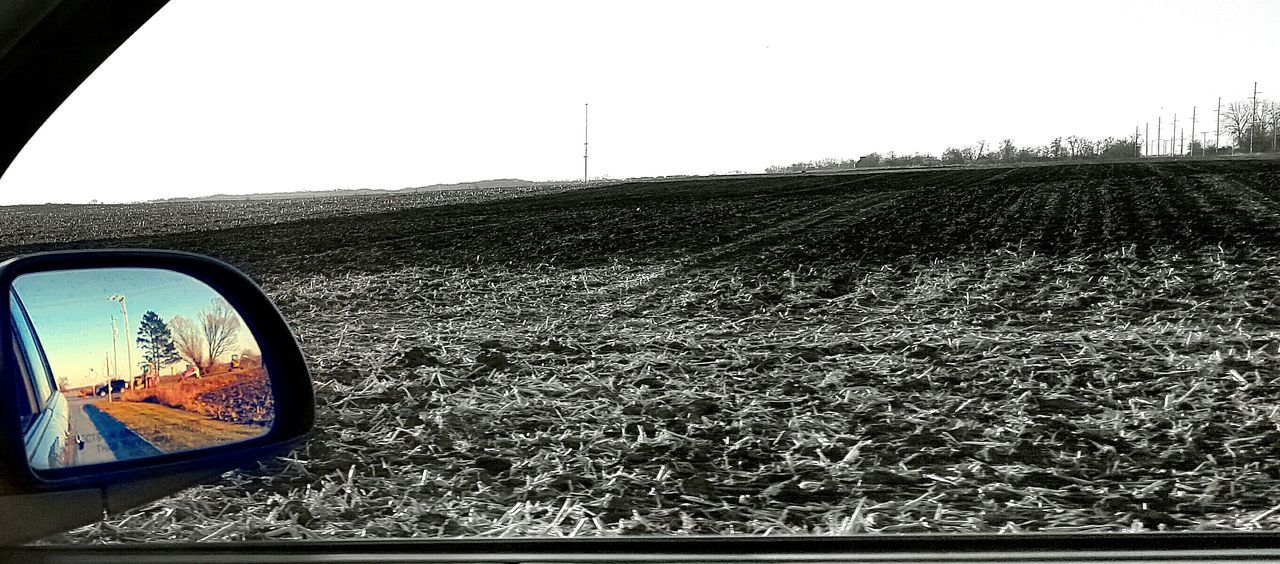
1063, 348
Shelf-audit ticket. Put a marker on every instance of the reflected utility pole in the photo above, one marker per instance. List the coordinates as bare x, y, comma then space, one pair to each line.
128, 350
115, 349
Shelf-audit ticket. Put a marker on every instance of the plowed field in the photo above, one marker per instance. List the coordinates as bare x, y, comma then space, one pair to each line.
1054, 348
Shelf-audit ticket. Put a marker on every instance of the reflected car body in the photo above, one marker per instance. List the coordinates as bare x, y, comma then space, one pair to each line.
48, 418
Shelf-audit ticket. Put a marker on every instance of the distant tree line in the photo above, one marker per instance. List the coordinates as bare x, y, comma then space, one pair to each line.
1243, 123
1073, 147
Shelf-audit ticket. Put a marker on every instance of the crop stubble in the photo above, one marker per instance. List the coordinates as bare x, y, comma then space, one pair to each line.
1059, 348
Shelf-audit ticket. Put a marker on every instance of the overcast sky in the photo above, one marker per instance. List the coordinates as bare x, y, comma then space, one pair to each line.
252, 96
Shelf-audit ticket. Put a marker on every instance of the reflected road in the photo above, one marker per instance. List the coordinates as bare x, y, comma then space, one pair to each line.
105, 439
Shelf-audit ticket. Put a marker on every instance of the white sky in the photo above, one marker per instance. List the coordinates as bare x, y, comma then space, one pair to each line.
252, 96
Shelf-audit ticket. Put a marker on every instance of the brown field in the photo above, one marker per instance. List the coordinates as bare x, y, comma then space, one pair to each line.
1060, 348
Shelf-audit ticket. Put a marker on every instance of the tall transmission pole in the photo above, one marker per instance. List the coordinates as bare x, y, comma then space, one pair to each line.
585, 110
1217, 132
1253, 115
1182, 139
1146, 139
1173, 134
1159, 140
1193, 128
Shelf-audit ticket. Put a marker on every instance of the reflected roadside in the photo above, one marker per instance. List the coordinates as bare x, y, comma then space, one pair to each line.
197, 378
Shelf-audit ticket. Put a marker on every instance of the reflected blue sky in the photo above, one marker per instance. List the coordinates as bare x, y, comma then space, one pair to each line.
73, 313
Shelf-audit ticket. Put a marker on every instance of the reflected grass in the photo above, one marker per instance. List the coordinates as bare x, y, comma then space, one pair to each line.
173, 430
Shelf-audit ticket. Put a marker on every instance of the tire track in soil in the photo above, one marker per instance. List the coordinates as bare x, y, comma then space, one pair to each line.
793, 223
1264, 202
798, 210
934, 222
802, 216
1159, 218
1233, 217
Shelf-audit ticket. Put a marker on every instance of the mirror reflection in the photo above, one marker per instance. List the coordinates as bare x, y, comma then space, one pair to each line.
127, 363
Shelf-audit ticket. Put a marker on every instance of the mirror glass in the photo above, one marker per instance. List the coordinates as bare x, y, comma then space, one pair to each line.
127, 363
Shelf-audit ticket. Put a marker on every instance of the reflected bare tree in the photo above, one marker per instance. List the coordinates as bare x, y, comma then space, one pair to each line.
219, 324
190, 341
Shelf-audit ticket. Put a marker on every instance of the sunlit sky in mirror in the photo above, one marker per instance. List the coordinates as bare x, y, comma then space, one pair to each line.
250, 96
73, 314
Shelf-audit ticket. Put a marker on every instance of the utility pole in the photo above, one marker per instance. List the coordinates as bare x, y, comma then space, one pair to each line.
1135, 141
115, 349
585, 110
1253, 115
1146, 139
128, 352
1182, 139
1159, 139
1193, 128
1217, 132
1173, 135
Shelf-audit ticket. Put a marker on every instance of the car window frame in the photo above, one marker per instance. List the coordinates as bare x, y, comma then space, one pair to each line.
34, 363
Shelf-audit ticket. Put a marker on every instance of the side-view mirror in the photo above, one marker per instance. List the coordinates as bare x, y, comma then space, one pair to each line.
127, 375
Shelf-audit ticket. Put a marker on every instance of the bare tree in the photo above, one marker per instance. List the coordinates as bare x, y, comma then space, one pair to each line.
219, 324
190, 341
1007, 150
1076, 145
1236, 119
1269, 115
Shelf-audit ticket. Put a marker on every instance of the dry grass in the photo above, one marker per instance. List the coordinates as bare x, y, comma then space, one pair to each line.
197, 395
173, 430
1005, 392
